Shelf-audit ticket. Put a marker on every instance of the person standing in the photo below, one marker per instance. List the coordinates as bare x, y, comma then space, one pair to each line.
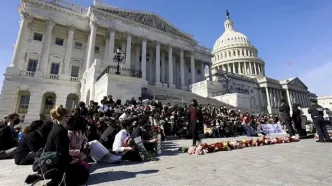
317, 114
194, 119
285, 115
296, 116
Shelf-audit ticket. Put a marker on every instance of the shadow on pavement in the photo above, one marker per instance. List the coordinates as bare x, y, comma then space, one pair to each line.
105, 177
169, 148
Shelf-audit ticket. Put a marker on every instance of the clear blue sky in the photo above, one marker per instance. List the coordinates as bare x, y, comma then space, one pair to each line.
299, 31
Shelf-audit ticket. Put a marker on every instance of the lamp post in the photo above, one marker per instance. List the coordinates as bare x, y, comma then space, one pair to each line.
226, 78
118, 56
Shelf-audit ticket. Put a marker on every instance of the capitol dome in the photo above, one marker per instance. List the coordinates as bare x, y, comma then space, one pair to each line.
234, 53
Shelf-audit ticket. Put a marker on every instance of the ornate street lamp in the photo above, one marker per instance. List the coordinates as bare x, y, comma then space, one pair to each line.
226, 78
119, 57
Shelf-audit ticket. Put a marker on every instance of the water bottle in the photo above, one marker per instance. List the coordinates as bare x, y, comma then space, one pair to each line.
20, 136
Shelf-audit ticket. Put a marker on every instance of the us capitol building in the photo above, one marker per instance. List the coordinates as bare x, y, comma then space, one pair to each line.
65, 53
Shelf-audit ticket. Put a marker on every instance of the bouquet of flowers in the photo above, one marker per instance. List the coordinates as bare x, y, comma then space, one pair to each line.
155, 130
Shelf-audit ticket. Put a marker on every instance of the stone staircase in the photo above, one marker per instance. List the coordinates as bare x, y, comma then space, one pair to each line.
176, 96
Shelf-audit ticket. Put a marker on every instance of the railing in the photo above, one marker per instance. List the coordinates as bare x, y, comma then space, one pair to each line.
23, 108
67, 5
112, 69
53, 76
76, 79
27, 73
47, 109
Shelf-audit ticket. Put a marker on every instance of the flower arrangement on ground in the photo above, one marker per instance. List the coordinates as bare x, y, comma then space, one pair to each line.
236, 144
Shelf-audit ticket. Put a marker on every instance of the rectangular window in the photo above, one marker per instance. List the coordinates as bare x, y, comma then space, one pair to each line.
24, 100
78, 46
55, 68
32, 65
97, 49
75, 71
37, 36
59, 41
198, 72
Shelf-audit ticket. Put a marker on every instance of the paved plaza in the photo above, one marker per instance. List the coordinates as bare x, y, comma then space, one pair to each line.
302, 163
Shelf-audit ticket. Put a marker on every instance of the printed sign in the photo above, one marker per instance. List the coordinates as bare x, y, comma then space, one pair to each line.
272, 129
159, 144
139, 142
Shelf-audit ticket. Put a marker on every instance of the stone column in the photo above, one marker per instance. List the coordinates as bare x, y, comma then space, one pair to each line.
143, 67
158, 84
259, 69
193, 68
268, 100
229, 68
239, 67
69, 47
111, 45
245, 68
255, 69
224, 68
271, 97
44, 56
61, 99
25, 19
163, 68
128, 51
277, 98
137, 56
234, 68
183, 85
92, 43
210, 72
170, 67
250, 67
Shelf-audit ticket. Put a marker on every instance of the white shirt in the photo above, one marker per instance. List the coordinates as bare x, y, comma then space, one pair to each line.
118, 144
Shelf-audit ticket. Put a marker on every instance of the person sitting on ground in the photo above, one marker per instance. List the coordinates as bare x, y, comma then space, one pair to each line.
140, 131
123, 144
76, 127
8, 136
76, 172
33, 140
250, 130
108, 136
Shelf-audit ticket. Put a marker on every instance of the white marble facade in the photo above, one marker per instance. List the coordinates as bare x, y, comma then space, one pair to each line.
234, 55
58, 42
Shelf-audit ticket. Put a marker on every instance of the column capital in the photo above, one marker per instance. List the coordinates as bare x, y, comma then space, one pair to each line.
50, 22
93, 23
111, 29
156, 42
71, 28
170, 47
26, 16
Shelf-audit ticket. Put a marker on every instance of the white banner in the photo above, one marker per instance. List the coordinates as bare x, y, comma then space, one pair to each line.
272, 129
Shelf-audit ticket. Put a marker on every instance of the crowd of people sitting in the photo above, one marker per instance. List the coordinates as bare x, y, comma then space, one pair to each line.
61, 148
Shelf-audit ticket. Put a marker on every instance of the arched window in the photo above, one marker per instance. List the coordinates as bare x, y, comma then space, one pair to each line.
243, 52
234, 54
230, 54
221, 56
225, 54
238, 52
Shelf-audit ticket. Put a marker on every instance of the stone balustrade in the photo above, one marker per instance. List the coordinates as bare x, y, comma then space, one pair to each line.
67, 5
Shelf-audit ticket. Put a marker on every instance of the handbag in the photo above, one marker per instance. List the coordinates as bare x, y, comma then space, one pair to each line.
47, 159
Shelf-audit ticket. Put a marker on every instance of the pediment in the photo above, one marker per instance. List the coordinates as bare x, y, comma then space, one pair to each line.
297, 83
148, 19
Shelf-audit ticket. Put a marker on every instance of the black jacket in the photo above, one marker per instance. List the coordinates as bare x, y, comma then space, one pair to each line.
31, 142
7, 137
58, 141
296, 116
285, 111
316, 111
108, 136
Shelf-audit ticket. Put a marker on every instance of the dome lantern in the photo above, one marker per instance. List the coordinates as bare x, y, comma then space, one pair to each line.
228, 23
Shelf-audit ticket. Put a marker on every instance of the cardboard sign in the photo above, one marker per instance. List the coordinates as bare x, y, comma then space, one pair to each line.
272, 129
